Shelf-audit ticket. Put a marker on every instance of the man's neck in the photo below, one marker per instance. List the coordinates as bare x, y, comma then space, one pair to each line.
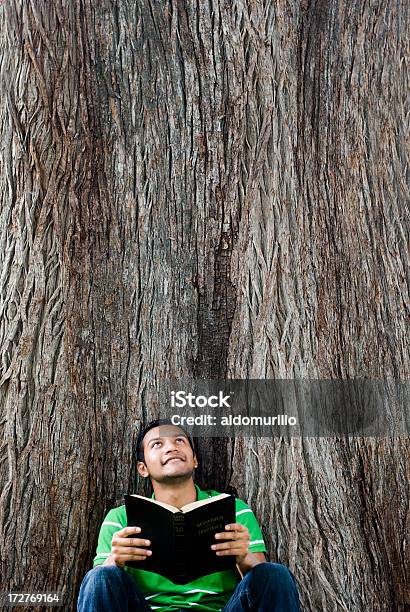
175, 493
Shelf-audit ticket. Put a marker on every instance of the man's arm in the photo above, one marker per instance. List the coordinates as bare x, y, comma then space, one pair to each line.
249, 561
109, 561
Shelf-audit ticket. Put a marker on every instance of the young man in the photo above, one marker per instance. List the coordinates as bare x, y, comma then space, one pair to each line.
167, 456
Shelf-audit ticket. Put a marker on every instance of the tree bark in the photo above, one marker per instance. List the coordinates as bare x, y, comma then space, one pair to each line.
212, 189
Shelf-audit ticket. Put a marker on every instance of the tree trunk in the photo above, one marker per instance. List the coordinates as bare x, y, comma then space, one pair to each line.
207, 189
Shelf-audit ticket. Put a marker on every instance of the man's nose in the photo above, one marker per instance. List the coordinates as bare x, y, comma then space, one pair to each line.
170, 445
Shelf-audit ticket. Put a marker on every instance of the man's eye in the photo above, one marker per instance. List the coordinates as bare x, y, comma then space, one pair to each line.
180, 439
155, 443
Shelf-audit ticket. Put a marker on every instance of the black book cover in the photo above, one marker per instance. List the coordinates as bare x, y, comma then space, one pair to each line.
181, 539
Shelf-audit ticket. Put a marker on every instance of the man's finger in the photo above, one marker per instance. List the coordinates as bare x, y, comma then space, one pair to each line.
231, 548
127, 531
233, 535
130, 542
224, 545
235, 551
232, 528
125, 558
130, 550
236, 527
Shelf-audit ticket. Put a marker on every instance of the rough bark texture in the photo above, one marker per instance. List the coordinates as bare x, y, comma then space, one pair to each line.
211, 189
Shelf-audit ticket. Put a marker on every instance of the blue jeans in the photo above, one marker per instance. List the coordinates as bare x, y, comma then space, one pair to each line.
267, 587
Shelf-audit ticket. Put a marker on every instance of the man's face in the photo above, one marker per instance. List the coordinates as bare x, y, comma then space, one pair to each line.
168, 455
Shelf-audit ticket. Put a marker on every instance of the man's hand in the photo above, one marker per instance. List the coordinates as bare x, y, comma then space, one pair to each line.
125, 549
235, 541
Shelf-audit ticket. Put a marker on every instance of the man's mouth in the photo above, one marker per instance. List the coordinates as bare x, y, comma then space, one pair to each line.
173, 459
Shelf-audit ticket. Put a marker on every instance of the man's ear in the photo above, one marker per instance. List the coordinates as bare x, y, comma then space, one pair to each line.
195, 461
142, 469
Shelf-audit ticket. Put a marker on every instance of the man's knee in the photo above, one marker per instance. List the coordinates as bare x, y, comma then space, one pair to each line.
102, 574
278, 573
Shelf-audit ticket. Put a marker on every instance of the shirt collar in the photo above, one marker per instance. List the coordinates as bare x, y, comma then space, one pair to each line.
199, 494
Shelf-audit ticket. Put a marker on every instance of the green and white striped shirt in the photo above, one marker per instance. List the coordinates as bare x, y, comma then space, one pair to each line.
208, 593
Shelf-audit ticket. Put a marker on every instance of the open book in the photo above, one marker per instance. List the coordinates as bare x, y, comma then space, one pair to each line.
181, 539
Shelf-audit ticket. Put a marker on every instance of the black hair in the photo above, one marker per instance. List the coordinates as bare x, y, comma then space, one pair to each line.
139, 448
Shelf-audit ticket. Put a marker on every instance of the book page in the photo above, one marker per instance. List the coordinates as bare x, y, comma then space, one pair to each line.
203, 502
169, 507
